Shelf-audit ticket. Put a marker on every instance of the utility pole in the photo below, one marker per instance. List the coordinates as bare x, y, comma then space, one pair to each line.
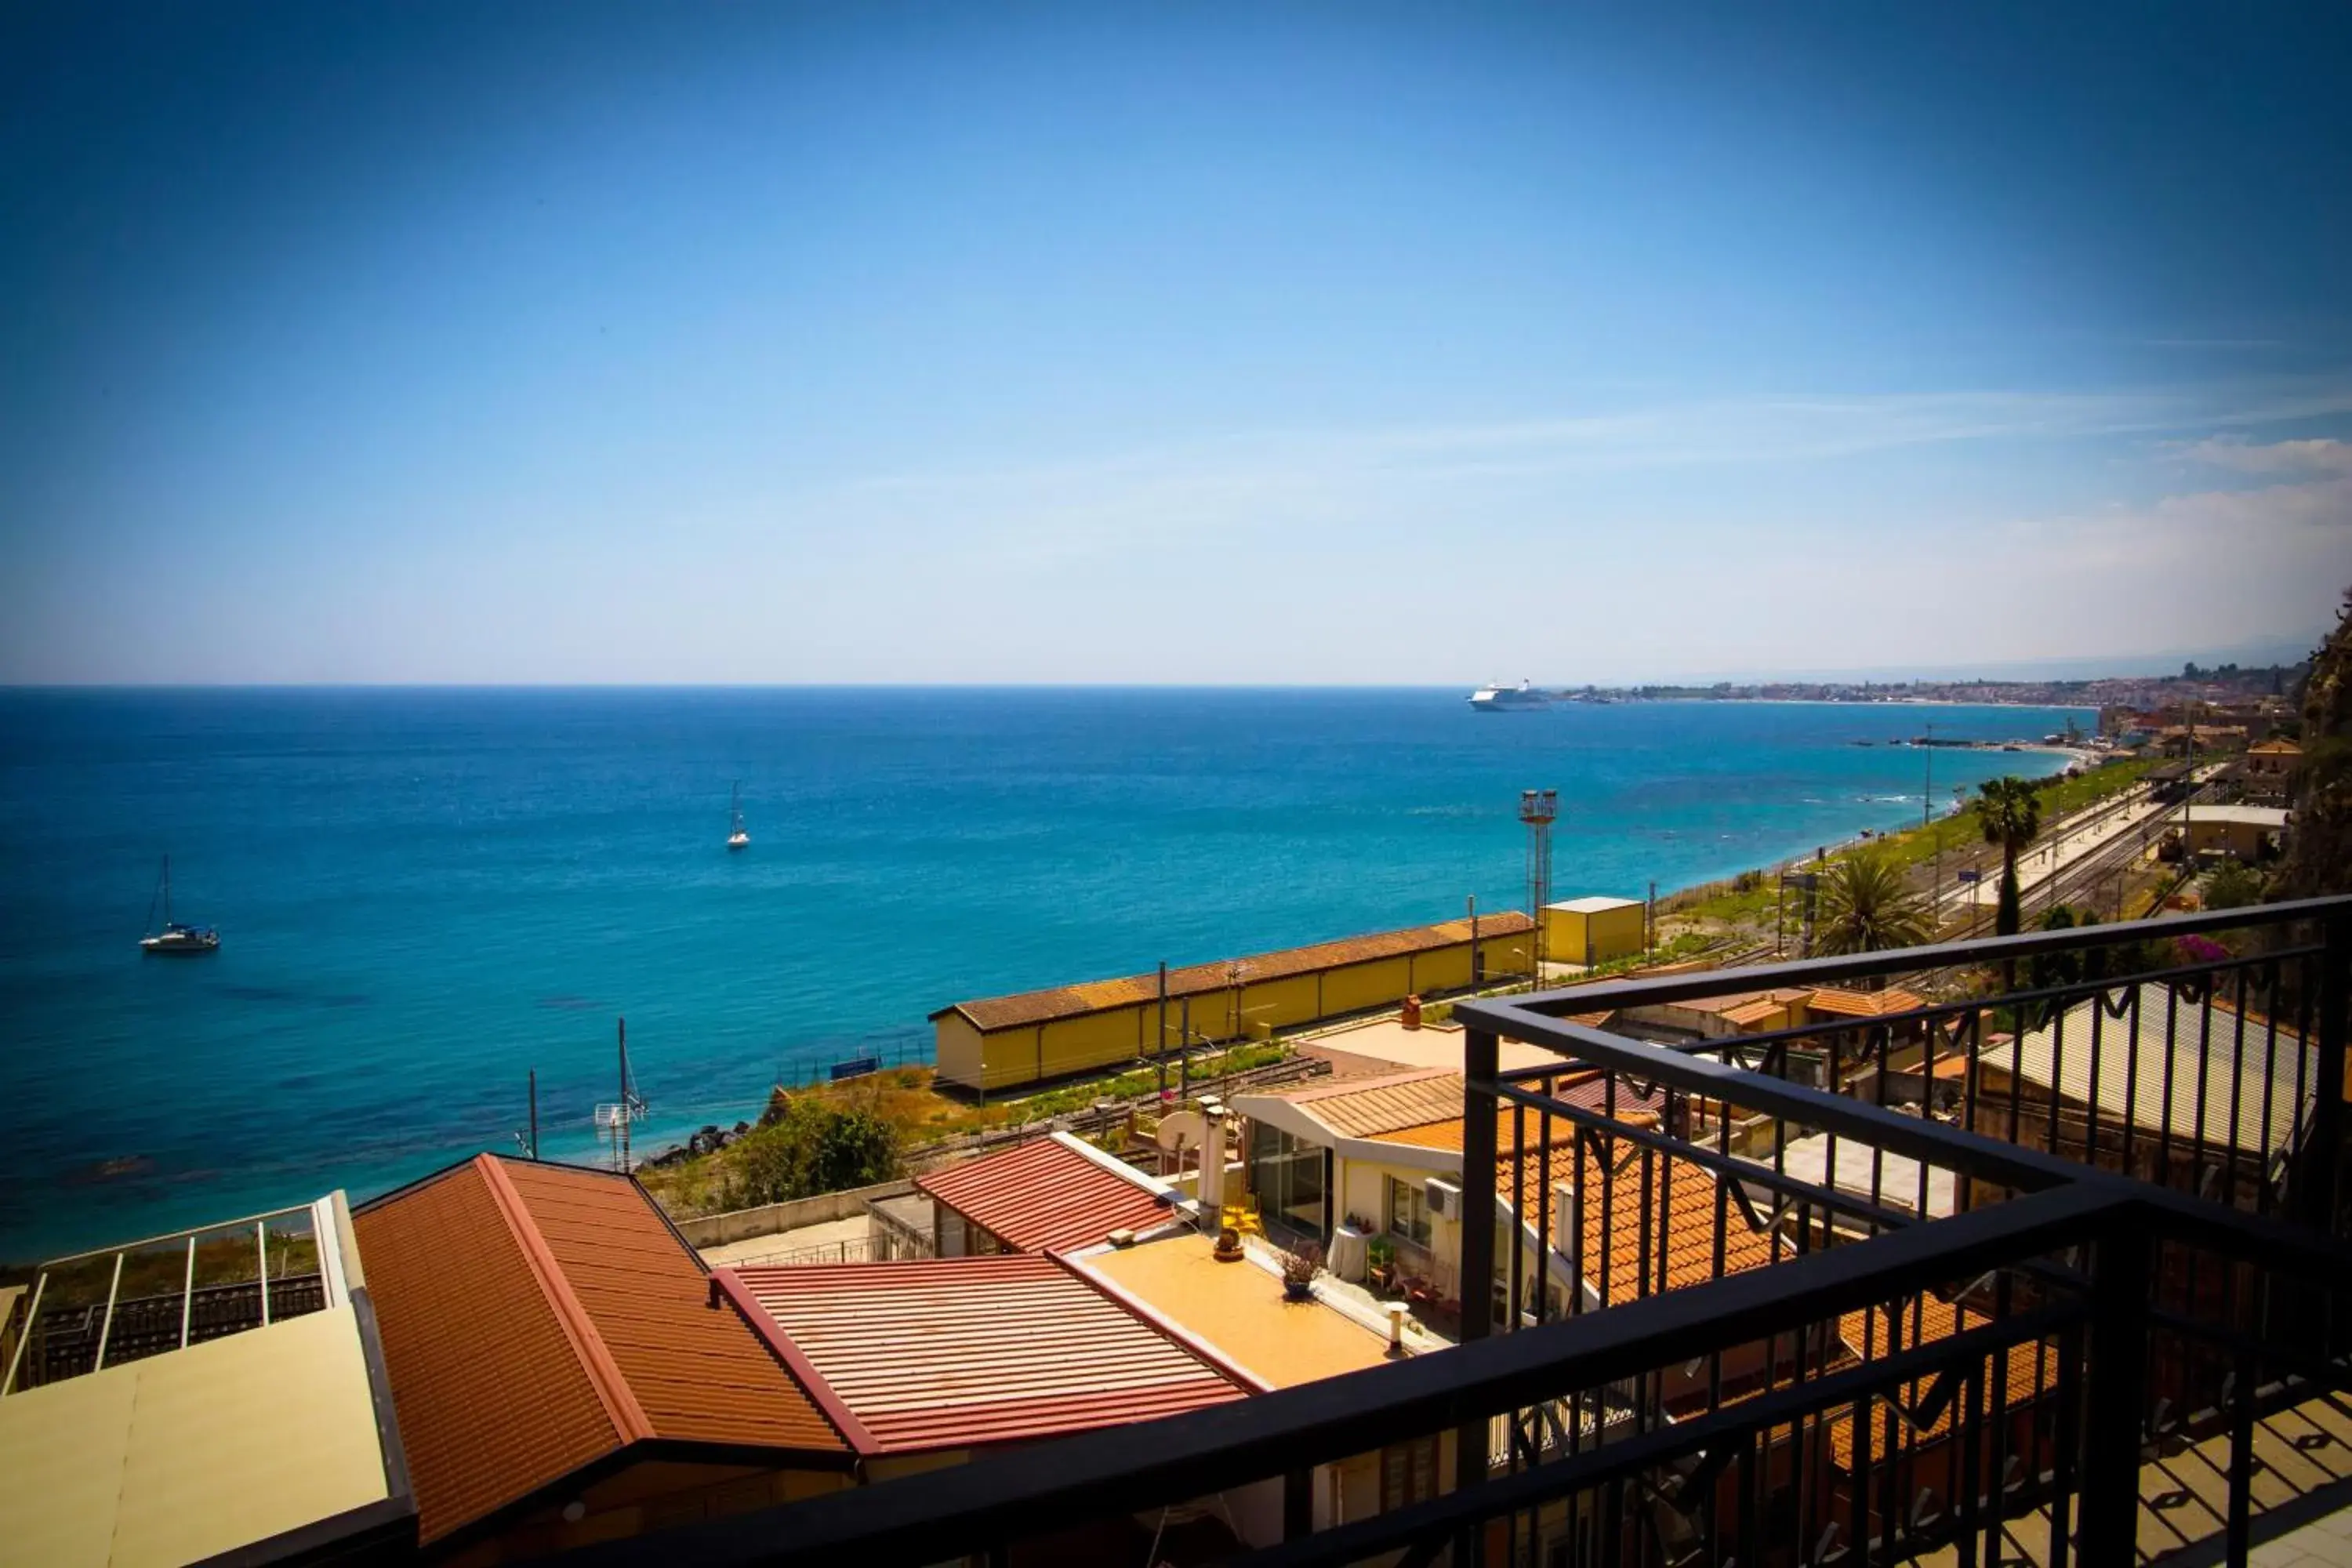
1935, 839
1928, 790
1160, 1055
1184, 1051
1650, 922
1476, 974
622, 1134
534, 1113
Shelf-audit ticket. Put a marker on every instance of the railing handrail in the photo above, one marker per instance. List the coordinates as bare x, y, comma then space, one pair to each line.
1938, 1012
185, 1234
1918, 1137
1123, 1469
1615, 995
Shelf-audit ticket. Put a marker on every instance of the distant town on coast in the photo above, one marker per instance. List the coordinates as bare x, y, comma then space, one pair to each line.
2221, 684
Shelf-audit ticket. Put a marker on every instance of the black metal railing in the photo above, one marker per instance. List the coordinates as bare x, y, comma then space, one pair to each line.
1906, 1275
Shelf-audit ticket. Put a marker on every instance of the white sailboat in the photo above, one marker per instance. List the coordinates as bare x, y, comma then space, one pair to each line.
174, 938
737, 839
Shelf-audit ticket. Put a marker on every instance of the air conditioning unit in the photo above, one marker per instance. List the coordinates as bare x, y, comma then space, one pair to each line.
1444, 1198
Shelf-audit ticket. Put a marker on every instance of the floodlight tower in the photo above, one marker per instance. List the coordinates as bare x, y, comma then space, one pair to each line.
1539, 808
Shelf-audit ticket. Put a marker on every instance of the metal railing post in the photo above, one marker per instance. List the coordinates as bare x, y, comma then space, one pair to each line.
1481, 1104
2116, 1394
2328, 1119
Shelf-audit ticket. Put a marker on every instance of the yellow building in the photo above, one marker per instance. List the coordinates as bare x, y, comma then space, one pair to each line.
2239, 832
266, 1432
1036, 1035
1593, 931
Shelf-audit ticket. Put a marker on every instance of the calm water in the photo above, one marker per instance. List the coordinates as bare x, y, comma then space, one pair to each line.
423, 894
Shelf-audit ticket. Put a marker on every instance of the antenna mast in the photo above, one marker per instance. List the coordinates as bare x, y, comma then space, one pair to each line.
1539, 808
629, 1107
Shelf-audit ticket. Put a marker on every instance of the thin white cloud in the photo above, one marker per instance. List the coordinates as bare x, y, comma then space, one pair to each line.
1794, 428
2316, 456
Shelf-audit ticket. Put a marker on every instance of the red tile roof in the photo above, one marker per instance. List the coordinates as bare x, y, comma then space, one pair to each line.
538, 1318
1028, 1007
1045, 1196
961, 1353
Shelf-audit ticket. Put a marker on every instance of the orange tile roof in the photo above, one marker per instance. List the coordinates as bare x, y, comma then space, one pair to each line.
1027, 1007
2032, 1368
538, 1318
961, 1353
1682, 1208
1044, 1196
1741, 1001
1863, 1003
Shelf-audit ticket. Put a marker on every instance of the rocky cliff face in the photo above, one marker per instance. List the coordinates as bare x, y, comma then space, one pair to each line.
2319, 857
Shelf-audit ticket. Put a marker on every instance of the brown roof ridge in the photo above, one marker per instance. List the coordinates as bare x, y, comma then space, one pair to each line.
1135, 1307
1020, 1009
822, 1394
630, 1424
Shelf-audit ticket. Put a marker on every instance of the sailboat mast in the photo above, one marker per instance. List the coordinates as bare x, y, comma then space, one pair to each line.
167, 890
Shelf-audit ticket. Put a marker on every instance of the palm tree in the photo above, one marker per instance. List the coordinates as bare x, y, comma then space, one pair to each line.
2010, 812
1867, 905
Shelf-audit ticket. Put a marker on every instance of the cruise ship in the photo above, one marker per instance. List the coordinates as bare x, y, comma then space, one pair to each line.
1500, 699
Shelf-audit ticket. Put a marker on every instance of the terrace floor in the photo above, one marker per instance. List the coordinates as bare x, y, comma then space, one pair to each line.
2302, 1500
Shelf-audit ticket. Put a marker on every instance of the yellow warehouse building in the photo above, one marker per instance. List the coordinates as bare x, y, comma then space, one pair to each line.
1004, 1041
1593, 931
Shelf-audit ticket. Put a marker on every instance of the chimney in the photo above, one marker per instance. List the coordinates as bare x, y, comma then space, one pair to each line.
1564, 1218
1396, 1311
1213, 1160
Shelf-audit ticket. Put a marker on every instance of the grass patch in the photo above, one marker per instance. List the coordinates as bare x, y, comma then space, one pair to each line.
909, 1102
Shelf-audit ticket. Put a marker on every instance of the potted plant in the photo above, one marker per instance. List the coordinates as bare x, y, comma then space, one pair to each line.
1299, 1268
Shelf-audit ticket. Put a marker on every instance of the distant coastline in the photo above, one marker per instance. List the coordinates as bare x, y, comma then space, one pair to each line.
2223, 683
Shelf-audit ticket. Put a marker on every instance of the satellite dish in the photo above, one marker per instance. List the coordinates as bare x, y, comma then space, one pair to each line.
1181, 1129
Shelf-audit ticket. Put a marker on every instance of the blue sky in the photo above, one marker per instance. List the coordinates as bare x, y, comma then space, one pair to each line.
1175, 343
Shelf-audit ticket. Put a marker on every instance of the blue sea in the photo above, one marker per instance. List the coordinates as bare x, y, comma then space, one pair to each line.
425, 894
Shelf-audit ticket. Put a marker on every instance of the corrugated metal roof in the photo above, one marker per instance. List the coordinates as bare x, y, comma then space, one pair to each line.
1855, 1167
2173, 1064
1045, 1196
538, 1318
1366, 1107
961, 1353
460, 1312
696, 1373
1029, 1008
